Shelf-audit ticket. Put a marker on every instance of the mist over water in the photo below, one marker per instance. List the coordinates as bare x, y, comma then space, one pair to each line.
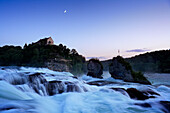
158, 78
40, 90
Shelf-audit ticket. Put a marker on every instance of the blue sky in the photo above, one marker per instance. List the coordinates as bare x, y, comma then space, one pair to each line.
95, 28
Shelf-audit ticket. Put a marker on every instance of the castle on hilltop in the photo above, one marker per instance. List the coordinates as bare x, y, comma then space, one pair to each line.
45, 41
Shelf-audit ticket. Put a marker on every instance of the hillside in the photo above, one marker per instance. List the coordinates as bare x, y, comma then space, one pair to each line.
157, 61
55, 57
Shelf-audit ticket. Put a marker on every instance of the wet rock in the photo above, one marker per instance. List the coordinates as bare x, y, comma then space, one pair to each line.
146, 105
3, 68
38, 83
8, 108
18, 81
150, 92
58, 87
139, 95
119, 71
95, 68
72, 87
166, 105
55, 87
100, 83
27, 72
75, 77
36, 76
135, 94
121, 90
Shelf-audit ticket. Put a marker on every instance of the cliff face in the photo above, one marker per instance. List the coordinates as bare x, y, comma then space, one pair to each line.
59, 65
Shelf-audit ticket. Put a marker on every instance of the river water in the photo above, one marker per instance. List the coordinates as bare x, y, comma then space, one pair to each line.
40, 90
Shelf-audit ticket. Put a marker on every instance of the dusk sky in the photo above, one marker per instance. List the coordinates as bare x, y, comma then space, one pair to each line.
95, 28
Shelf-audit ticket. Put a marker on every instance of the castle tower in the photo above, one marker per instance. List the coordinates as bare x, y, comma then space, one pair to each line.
50, 41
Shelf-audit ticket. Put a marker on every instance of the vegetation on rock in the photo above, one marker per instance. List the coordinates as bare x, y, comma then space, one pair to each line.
120, 69
157, 61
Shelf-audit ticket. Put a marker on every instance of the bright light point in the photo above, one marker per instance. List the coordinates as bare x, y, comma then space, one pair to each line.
65, 11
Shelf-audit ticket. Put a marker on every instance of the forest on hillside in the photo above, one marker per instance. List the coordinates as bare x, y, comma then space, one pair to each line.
157, 61
39, 55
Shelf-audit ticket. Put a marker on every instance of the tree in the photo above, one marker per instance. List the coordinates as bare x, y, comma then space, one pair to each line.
74, 52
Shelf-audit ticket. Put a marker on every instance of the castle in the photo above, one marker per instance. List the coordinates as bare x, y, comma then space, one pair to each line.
45, 41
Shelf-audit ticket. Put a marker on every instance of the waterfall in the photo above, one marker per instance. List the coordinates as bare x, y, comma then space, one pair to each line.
38, 82
39, 90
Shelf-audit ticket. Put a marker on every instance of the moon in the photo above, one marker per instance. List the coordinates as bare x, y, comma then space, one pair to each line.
65, 11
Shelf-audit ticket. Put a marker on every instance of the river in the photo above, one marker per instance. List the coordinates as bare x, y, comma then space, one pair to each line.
40, 90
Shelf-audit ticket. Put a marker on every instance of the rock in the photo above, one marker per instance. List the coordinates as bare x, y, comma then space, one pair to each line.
100, 83
141, 95
55, 87
18, 81
139, 78
74, 77
36, 76
58, 65
72, 87
95, 68
121, 90
37, 82
135, 94
120, 69
166, 105
9, 107
58, 87
3, 68
150, 92
146, 105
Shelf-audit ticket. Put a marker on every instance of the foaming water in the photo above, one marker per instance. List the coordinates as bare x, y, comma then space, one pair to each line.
40, 90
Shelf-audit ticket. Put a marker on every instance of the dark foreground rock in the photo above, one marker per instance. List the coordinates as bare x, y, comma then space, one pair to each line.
37, 82
120, 69
55, 87
146, 105
95, 68
102, 83
166, 105
36, 77
136, 94
133, 93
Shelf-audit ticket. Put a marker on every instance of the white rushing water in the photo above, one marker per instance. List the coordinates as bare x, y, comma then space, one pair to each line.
40, 90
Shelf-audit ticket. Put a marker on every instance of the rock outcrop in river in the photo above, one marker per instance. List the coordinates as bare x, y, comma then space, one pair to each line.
95, 68
120, 69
